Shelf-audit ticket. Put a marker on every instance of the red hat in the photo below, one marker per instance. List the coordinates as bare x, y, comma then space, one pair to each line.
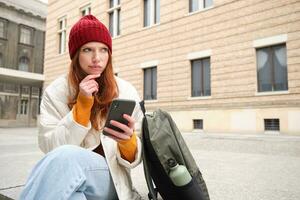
88, 29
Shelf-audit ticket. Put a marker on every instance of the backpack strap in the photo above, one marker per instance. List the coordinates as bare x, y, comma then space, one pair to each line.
142, 105
152, 195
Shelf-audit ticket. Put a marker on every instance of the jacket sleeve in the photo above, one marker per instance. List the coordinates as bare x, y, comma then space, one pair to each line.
57, 125
138, 116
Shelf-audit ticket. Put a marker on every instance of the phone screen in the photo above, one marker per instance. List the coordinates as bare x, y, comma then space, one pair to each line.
117, 108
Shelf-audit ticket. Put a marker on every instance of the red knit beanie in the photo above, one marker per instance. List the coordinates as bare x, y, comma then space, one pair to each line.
88, 29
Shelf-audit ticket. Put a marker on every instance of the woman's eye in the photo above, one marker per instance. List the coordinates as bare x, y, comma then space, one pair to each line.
104, 50
86, 49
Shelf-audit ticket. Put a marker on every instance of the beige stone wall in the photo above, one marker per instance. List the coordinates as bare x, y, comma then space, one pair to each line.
244, 121
227, 31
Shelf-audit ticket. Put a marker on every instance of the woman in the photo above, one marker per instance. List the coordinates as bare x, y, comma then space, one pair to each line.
82, 163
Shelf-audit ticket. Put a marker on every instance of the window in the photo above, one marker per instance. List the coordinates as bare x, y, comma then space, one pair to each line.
198, 124
1, 87
25, 35
151, 12
35, 91
201, 77
150, 83
23, 107
62, 24
114, 17
24, 64
272, 68
199, 4
1, 60
2, 33
272, 124
11, 88
86, 10
25, 89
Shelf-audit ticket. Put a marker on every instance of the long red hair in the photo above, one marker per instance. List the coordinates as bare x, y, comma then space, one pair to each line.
108, 90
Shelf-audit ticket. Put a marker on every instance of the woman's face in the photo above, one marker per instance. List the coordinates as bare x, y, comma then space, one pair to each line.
93, 57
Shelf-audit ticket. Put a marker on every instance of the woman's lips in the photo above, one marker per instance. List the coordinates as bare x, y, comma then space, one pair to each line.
95, 66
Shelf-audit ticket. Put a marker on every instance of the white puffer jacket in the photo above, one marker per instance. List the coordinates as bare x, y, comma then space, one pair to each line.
57, 127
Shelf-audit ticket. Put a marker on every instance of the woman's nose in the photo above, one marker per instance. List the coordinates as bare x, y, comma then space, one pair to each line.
96, 56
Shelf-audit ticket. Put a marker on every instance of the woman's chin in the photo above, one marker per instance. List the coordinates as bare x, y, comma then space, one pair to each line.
94, 72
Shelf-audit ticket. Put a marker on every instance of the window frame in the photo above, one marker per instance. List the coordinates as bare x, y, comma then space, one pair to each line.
153, 90
23, 107
114, 11
201, 5
271, 52
198, 122
62, 35
203, 79
153, 11
4, 28
271, 124
85, 10
22, 38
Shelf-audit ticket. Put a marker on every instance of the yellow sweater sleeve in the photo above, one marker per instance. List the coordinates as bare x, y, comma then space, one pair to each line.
82, 109
128, 148
82, 113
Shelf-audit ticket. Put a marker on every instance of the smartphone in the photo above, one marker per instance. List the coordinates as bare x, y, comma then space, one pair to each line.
117, 108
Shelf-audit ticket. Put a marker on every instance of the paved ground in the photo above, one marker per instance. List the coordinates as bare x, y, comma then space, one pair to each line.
235, 167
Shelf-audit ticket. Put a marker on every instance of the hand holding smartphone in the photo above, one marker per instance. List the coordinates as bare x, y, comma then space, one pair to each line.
117, 109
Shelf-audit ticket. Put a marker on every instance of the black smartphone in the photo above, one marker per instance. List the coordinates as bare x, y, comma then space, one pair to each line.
117, 108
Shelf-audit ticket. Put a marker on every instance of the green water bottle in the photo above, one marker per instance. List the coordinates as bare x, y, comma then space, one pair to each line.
179, 174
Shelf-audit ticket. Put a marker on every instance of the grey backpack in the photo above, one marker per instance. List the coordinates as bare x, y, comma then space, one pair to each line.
161, 141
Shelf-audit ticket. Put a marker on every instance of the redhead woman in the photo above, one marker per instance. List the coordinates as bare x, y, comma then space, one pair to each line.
80, 162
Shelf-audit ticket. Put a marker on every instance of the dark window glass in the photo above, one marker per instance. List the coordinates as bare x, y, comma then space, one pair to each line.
208, 3
198, 124
24, 64
150, 83
201, 77
194, 5
2, 33
1, 60
111, 23
147, 13
157, 11
272, 124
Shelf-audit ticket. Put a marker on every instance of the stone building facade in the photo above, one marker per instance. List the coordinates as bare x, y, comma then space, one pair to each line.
22, 35
229, 66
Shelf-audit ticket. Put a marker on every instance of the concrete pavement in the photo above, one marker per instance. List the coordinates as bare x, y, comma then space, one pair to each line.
235, 167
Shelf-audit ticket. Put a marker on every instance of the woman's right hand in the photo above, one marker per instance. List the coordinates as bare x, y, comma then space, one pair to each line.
88, 85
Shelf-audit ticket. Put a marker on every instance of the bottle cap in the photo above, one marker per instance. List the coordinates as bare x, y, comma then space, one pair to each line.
172, 162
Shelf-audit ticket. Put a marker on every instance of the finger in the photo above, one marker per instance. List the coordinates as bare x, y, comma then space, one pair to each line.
130, 120
127, 130
88, 86
90, 77
92, 90
116, 134
89, 82
91, 85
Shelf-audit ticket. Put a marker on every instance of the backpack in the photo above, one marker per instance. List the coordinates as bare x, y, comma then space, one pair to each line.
161, 141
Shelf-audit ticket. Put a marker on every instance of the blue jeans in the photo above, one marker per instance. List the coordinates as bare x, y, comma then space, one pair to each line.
70, 172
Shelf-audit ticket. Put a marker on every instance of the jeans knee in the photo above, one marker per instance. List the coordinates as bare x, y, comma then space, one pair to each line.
66, 152
75, 155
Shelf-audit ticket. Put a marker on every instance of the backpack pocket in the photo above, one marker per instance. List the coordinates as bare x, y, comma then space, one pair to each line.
190, 191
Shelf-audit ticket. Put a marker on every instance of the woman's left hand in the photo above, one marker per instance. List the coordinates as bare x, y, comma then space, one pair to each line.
127, 129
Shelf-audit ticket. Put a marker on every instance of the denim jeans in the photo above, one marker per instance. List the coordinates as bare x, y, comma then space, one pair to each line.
70, 172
